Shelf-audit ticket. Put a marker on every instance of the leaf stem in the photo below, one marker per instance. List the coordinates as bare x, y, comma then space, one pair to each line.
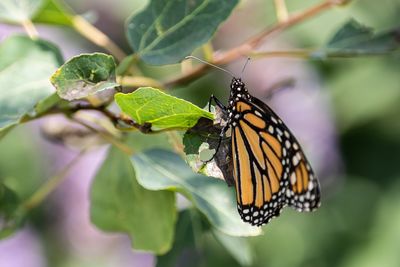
96, 36
50, 185
247, 46
30, 29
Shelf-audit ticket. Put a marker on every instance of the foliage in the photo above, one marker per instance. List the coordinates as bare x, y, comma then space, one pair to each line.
134, 190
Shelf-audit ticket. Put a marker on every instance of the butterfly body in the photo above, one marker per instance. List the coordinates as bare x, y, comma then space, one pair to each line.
269, 168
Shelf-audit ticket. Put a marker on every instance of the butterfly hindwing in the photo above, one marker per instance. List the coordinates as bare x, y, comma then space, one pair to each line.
270, 169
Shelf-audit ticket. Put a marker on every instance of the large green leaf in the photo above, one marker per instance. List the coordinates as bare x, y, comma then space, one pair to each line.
149, 105
84, 75
159, 170
184, 251
17, 11
238, 247
168, 30
119, 203
25, 68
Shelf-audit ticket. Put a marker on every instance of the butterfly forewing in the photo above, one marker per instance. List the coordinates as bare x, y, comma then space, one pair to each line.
270, 169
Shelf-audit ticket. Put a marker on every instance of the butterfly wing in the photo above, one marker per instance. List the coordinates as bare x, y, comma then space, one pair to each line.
266, 178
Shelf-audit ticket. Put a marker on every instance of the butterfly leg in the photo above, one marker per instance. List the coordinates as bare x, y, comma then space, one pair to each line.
217, 102
221, 136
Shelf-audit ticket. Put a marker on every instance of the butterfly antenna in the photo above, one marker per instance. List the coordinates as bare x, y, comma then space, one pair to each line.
210, 64
244, 67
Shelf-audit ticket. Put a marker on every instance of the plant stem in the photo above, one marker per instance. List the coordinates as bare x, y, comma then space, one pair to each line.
251, 43
281, 10
96, 36
30, 29
138, 81
50, 185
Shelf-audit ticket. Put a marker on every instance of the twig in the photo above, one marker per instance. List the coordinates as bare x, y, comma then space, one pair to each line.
318, 54
106, 136
50, 185
247, 46
97, 37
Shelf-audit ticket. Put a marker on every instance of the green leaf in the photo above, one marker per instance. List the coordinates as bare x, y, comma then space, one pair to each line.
84, 75
54, 12
119, 203
168, 30
238, 247
159, 170
17, 11
32, 62
149, 105
360, 39
10, 218
183, 252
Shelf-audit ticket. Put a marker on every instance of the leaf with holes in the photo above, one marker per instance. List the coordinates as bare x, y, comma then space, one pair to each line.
149, 105
32, 62
85, 75
147, 216
163, 170
168, 30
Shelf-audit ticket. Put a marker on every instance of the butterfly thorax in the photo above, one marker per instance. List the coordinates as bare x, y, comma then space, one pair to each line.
238, 93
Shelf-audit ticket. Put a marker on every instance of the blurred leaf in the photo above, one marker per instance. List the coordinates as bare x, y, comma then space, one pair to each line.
183, 252
119, 203
159, 170
84, 75
238, 247
17, 11
149, 105
374, 82
168, 30
54, 12
360, 39
381, 246
32, 62
9, 219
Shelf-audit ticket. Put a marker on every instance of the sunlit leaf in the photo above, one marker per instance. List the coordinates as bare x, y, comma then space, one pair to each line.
160, 170
84, 75
32, 62
54, 12
17, 11
168, 30
120, 204
149, 105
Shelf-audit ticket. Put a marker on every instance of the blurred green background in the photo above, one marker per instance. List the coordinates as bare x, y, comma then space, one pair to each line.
358, 223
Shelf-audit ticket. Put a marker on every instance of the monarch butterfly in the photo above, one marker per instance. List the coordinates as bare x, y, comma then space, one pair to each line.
270, 169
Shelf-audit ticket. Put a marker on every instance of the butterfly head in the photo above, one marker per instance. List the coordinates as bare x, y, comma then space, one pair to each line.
238, 90
237, 86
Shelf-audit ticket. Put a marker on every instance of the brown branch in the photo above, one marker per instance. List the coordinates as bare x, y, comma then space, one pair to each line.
250, 44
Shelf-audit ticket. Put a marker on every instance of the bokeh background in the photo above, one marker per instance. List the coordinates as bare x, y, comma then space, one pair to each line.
345, 112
